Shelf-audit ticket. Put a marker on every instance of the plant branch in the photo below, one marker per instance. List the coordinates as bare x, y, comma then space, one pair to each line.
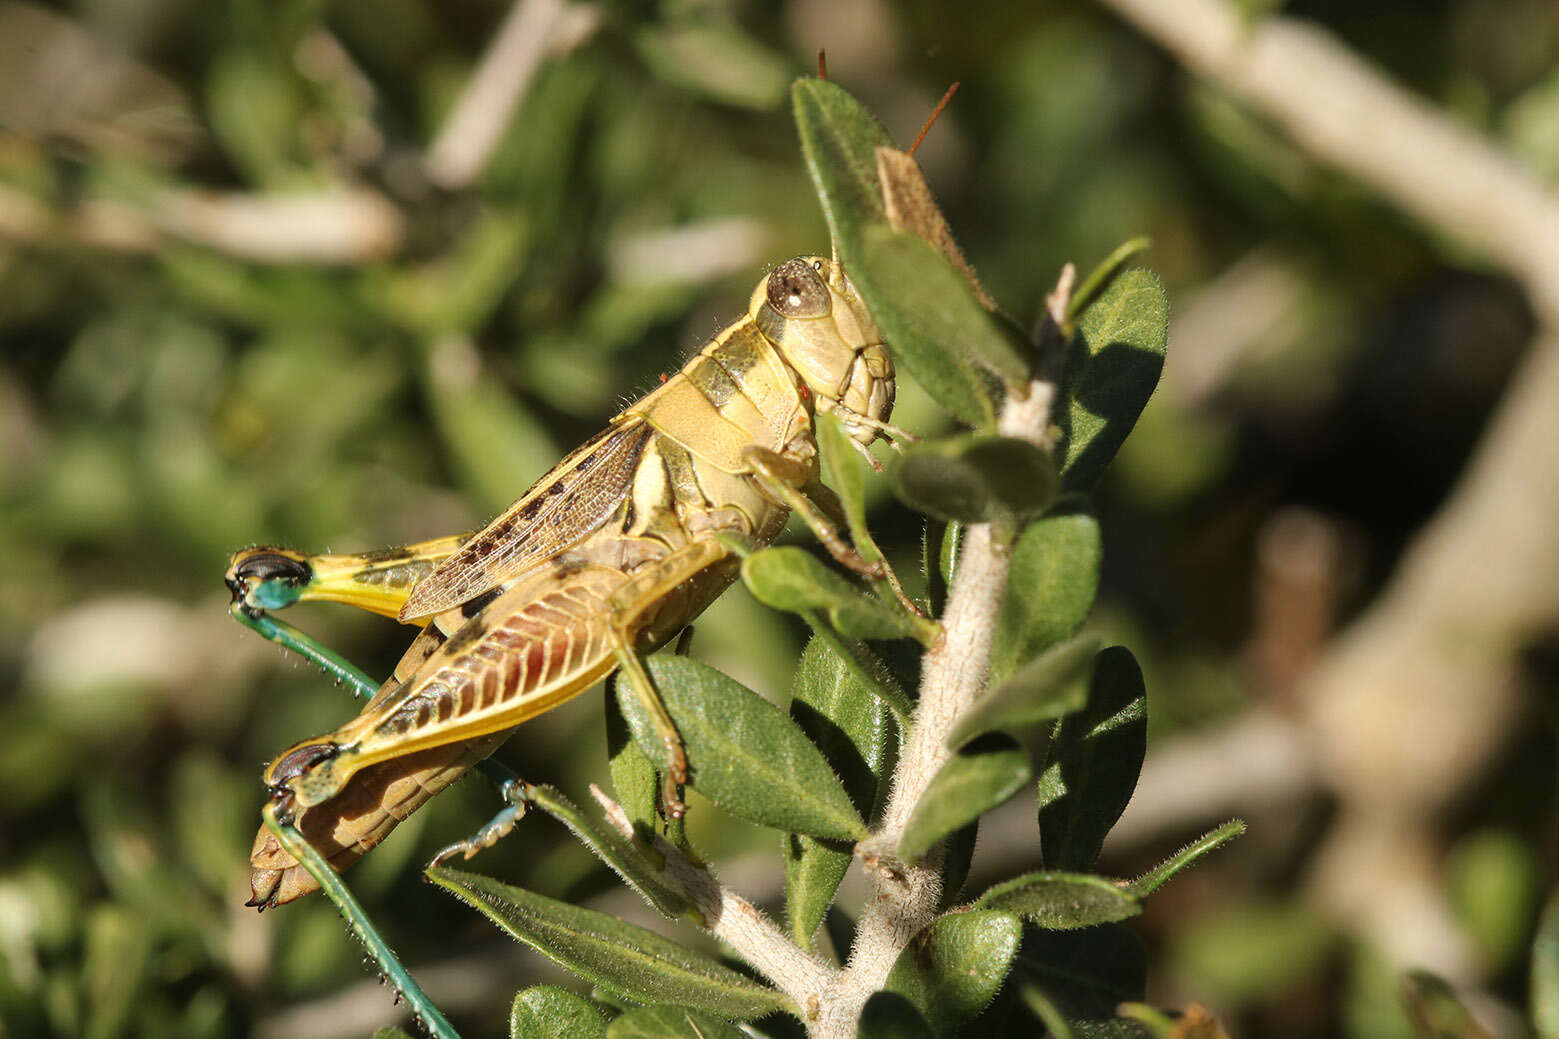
730, 917
1440, 644
1345, 112
531, 30
904, 896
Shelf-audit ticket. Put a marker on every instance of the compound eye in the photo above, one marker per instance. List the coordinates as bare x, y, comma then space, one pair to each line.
796, 290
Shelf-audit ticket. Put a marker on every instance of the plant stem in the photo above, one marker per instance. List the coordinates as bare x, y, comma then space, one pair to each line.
903, 898
730, 917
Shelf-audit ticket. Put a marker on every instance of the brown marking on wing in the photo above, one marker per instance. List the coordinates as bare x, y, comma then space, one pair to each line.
560, 510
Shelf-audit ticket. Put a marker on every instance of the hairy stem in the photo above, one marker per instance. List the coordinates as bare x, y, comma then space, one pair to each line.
730, 917
903, 897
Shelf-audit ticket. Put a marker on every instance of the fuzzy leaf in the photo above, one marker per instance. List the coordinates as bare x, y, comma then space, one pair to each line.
910, 207
1159, 875
667, 1022
976, 478
839, 139
844, 471
842, 718
888, 1015
940, 333
1049, 687
935, 340
938, 559
976, 779
611, 849
547, 1012
633, 774
1112, 366
744, 753
865, 666
1085, 975
1050, 592
957, 859
626, 961
1095, 758
1062, 901
953, 972
1101, 276
790, 578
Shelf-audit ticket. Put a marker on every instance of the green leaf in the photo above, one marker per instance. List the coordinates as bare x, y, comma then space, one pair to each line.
1051, 686
888, 1015
1094, 762
1112, 365
1062, 901
118, 947
665, 1022
840, 715
1050, 591
1545, 972
790, 578
845, 721
1084, 975
957, 859
952, 972
611, 849
926, 311
1101, 276
938, 560
1494, 885
626, 961
866, 667
494, 442
1159, 875
839, 139
391, 1032
1435, 1011
976, 478
547, 1012
1239, 952
717, 59
633, 774
744, 753
844, 471
940, 333
976, 779
1045, 1009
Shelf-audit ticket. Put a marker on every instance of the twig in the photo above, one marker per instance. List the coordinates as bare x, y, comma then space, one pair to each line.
336, 226
1434, 658
480, 116
903, 897
730, 917
1347, 113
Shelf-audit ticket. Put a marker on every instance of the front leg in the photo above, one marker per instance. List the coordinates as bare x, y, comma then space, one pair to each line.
788, 479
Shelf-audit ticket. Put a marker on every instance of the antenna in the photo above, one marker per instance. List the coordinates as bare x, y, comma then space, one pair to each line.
934, 113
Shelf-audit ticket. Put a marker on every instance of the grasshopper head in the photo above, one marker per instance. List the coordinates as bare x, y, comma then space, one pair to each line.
267, 578
812, 314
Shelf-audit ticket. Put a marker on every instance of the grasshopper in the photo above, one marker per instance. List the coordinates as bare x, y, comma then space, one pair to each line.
610, 555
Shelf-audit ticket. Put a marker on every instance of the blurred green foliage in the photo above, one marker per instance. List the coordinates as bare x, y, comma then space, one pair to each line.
164, 400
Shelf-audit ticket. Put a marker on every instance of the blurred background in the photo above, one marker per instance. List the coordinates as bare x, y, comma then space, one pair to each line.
342, 275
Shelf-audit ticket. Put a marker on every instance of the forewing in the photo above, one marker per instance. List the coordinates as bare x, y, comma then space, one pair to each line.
571, 501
